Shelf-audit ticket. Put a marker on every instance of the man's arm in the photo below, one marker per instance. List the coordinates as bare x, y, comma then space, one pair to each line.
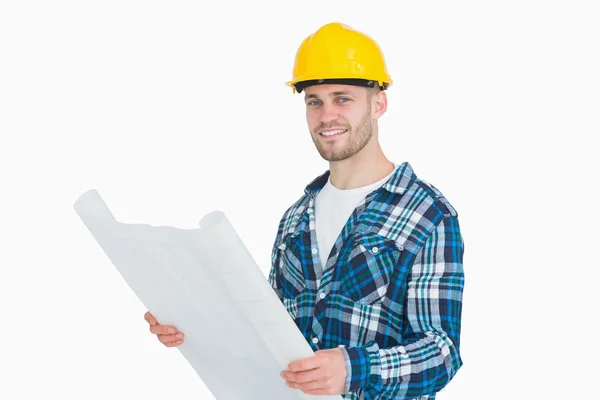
429, 355
274, 272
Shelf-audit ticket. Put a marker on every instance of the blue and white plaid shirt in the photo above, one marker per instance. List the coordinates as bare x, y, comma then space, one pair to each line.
390, 294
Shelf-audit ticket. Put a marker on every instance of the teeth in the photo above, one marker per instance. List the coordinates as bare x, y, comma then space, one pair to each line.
330, 133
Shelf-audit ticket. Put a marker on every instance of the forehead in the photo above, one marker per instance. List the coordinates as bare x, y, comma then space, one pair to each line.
327, 90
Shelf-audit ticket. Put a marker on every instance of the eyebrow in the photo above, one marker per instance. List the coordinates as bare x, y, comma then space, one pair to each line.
332, 94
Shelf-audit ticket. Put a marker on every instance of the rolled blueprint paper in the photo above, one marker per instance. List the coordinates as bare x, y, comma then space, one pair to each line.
238, 335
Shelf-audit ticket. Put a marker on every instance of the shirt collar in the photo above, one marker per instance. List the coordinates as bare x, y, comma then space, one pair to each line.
400, 180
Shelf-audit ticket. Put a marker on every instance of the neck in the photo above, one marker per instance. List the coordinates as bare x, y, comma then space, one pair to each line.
365, 167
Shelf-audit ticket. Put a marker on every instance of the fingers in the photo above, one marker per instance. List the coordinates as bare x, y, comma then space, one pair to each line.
171, 340
150, 318
305, 376
306, 364
159, 329
318, 385
166, 334
174, 344
321, 392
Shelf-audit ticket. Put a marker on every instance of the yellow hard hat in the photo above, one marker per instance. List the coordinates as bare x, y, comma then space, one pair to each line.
336, 53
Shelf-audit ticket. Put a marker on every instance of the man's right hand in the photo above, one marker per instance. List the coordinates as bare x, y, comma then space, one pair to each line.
166, 334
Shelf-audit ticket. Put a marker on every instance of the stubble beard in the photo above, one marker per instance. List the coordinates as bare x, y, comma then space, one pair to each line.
357, 139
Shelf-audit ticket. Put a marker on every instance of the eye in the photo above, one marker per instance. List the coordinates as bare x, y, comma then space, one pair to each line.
343, 99
314, 103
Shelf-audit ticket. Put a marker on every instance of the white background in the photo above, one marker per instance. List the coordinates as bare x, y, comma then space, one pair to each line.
173, 109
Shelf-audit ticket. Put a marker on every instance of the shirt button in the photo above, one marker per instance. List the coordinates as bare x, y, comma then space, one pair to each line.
375, 249
322, 295
315, 340
314, 251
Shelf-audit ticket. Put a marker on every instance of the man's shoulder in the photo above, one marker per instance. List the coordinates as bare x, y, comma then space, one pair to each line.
291, 217
413, 193
435, 196
414, 214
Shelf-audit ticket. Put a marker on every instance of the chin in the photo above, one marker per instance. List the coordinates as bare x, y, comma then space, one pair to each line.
335, 157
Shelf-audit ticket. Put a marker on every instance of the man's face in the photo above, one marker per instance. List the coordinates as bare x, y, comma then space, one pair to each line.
339, 118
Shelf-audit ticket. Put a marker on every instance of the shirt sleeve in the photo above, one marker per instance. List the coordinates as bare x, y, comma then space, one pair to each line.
428, 356
274, 272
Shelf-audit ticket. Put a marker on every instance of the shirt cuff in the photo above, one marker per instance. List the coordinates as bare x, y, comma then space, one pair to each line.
363, 366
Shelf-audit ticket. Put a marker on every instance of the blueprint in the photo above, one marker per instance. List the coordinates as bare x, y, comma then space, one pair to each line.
238, 335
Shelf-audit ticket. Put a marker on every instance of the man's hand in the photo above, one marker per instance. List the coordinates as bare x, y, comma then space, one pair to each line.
166, 334
323, 373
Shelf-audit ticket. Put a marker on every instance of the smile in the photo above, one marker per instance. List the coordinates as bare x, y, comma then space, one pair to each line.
334, 132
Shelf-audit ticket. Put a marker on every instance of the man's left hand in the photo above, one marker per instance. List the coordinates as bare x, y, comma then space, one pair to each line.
324, 373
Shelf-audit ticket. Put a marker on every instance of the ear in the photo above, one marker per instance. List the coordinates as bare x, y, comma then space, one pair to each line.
379, 104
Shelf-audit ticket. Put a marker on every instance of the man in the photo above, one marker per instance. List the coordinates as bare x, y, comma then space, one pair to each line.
368, 261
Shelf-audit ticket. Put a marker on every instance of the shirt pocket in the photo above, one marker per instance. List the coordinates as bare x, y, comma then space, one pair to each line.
369, 266
291, 276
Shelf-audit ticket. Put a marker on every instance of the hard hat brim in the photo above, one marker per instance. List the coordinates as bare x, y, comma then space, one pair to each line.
299, 86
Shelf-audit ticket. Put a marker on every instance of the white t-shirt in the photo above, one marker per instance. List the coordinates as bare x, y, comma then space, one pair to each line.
333, 208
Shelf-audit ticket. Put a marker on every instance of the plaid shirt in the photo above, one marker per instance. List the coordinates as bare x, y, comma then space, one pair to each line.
391, 291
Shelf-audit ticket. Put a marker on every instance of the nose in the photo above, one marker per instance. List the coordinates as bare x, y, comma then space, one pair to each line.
328, 114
